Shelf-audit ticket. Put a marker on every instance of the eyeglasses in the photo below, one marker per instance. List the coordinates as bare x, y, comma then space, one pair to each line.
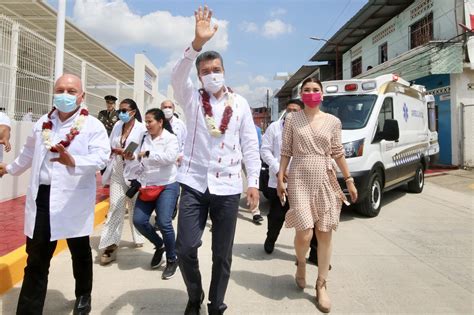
124, 110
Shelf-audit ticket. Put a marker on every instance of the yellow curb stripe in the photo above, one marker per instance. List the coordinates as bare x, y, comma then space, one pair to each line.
12, 265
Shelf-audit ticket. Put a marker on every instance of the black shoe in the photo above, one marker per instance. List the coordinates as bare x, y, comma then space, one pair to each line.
268, 246
216, 311
157, 259
192, 308
170, 270
257, 219
82, 305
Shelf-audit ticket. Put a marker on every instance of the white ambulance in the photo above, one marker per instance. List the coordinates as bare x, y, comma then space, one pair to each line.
385, 133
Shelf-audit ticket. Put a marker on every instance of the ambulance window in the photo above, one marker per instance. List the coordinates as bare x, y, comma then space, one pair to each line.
385, 113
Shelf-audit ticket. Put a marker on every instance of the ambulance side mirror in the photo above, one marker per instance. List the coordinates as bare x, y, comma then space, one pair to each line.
391, 132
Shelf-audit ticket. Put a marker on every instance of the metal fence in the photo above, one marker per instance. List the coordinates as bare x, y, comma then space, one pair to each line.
27, 74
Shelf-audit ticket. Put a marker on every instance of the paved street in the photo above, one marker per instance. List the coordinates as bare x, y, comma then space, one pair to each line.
415, 257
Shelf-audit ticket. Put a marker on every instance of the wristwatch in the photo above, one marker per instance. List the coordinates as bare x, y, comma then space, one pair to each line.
147, 154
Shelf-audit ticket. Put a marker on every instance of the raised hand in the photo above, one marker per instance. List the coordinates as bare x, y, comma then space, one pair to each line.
65, 157
203, 30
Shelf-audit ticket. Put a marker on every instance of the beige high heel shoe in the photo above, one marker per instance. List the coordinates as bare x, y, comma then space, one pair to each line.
323, 304
300, 269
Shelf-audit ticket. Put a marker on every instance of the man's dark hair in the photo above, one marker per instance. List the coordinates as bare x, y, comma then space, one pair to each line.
295, 101
208, 55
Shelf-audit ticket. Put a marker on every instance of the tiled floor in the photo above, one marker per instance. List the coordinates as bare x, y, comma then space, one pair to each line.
12, 213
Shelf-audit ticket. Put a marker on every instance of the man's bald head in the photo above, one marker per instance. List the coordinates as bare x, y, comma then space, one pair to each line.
167, 104
70, 84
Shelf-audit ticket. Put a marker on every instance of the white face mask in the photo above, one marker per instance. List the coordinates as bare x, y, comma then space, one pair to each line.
213, 82
168, 113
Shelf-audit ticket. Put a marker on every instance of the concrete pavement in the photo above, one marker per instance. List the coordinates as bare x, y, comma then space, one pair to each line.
415, 257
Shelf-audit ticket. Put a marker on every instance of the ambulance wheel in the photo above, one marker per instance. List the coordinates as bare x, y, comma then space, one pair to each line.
370, 205
416, 185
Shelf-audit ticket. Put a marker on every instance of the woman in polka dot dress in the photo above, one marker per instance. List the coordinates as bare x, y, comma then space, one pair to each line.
312, 139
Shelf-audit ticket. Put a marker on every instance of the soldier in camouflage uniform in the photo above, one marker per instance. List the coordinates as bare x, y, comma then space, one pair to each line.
109, 116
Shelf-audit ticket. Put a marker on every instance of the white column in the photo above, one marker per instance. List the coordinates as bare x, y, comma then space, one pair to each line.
60, 25
117, 90
13, 70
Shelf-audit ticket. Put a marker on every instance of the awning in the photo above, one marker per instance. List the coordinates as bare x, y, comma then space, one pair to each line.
41, 18
435, 57
370, 18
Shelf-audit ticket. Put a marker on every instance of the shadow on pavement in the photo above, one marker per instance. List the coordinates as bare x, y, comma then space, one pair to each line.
150, 301
55, 302
271, 287
255, 252
349, 213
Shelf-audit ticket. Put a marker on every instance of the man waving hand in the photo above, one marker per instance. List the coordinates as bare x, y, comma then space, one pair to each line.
221, 135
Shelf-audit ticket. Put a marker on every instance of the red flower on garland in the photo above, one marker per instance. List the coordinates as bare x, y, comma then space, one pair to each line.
206, 104
74, 131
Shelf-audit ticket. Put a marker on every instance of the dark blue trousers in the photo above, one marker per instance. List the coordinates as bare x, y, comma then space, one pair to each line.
194, 207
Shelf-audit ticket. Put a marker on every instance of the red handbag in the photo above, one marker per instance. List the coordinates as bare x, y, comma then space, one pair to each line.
150, 193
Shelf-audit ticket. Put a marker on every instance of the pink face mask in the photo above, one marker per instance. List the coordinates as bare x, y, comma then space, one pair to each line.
311, 99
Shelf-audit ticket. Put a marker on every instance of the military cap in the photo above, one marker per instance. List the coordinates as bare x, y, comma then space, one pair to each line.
110, 98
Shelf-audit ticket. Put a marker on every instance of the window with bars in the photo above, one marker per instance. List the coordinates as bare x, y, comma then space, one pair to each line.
356, 66
421, 31
383, 53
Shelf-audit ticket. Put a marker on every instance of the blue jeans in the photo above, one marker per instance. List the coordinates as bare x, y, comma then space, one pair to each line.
164, 207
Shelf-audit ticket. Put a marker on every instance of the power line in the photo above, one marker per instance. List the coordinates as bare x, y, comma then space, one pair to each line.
336, 20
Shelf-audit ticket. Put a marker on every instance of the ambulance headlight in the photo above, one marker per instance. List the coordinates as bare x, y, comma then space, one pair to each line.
354, 148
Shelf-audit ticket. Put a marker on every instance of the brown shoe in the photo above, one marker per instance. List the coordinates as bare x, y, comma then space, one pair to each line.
109, 255
323, 303
300, 276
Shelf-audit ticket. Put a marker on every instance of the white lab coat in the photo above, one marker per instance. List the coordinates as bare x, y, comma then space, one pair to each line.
73, 189
179, 129
136, 135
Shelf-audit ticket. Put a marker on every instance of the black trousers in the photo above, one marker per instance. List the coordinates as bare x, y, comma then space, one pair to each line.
194, 207
40, 251
276, 215
276, 218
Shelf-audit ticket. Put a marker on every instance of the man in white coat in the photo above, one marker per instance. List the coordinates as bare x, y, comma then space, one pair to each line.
67, 147
221, 134
178, 126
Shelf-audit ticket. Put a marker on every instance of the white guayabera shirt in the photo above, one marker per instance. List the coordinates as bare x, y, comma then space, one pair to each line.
271, 150
214, 162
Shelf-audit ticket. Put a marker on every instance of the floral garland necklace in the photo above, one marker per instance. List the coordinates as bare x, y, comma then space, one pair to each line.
209, 116
75, 129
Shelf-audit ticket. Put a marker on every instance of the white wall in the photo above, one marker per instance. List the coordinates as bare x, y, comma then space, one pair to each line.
15, 186
460, 93
444, 27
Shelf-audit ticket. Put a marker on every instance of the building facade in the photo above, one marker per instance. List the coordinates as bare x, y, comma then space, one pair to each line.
425, 44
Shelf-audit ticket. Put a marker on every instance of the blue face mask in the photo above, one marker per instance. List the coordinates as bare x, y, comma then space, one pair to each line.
125, 117
64, 102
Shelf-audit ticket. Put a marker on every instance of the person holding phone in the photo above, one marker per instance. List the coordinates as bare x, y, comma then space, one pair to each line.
155, 168
125, 137
312, 140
